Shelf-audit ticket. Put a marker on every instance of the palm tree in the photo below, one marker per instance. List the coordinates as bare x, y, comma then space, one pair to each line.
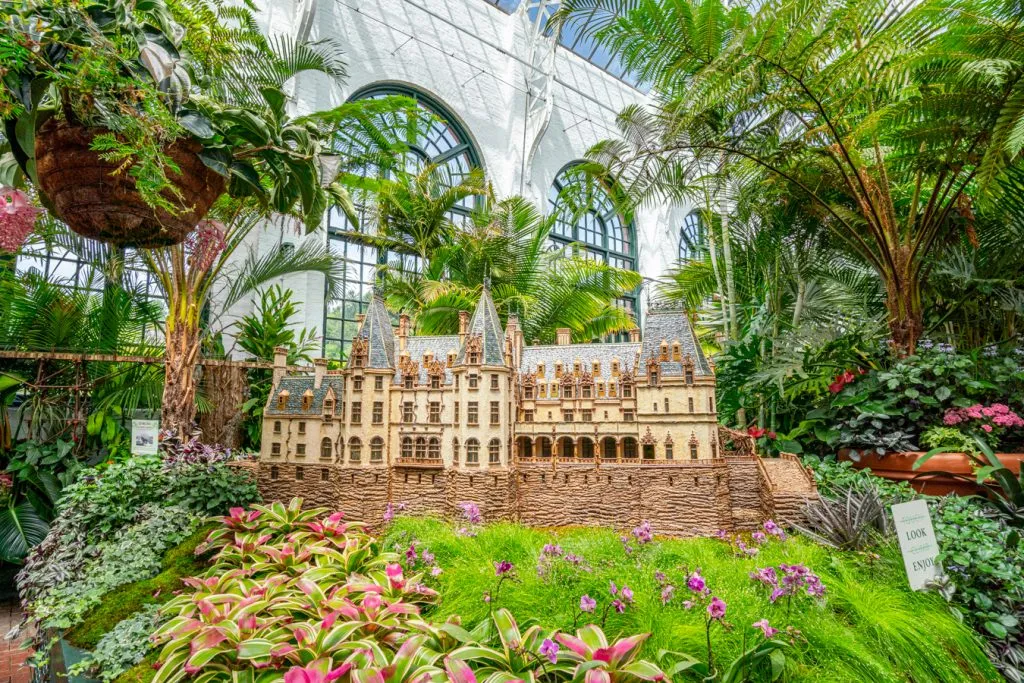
880, 114
507, 241
411, 213
188, 274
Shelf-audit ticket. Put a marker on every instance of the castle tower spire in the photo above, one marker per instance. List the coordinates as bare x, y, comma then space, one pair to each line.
484, 334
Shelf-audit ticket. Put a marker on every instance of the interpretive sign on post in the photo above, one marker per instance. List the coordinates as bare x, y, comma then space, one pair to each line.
917, 542
145, 434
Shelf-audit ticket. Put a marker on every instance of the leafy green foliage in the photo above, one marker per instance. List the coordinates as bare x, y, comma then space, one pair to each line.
125, 645
260, 333
984, 578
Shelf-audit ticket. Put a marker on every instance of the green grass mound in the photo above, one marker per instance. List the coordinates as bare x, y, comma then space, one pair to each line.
870, 627
124, 601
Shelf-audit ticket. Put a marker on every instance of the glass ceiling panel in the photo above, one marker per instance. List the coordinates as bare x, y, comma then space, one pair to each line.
582, 46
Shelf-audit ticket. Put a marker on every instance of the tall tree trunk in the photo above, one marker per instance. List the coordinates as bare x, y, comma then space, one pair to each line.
903, 304
178, 410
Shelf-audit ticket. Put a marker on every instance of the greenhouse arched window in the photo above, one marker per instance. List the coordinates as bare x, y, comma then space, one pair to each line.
588, 218
692, 237
430, 135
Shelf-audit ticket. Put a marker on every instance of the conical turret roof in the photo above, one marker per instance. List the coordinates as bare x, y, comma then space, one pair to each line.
486, 325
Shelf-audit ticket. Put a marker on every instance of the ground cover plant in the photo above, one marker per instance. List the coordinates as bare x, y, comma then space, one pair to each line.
866, 626
116, 536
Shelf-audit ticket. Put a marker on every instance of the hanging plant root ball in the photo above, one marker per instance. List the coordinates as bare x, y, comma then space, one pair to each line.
95, 201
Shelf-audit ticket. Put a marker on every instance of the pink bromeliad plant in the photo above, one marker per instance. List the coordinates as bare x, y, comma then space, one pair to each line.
598, 661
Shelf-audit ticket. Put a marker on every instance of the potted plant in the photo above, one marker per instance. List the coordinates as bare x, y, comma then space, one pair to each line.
132, 118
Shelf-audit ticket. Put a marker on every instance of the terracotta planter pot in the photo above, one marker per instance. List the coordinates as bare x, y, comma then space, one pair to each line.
927, 480
98, 203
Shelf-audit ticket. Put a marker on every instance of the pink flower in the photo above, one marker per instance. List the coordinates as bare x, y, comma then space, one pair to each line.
394, 574
716, 608
587, 604
612, 588
549, 649
759, 537
17, 218
503, 567
627, 595
765, 627
619, 606
696, 583
987, 428
666, 594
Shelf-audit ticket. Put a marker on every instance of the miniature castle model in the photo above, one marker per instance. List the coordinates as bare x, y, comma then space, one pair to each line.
430, 422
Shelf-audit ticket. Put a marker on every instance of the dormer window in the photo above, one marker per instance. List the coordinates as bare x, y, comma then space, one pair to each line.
540, 370
653, 378
435, 382
596, 368
528, 392
615, 368
307, 399
558, 370
586, 389
328, 406
576, 367
676, 353
664, 350
627, 390
357, 361
282, 399
407, 381
688, 373
600, 389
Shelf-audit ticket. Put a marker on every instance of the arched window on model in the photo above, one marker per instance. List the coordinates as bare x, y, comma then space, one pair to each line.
355, 449
325, 447
494, 452
407, 447
692, 237
589, 220
472, 451
434, 448
376, 449
428, 133
455, 450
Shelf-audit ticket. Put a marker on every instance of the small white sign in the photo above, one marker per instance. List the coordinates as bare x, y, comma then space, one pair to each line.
917, 542
145, 435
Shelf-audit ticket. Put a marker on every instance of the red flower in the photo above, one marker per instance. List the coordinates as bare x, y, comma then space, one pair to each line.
755, 432
772, 435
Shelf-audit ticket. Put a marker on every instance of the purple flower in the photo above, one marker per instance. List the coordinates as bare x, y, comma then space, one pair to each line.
503, 567
410, 555
436, 571
612, 588
574, 559
471, 511
775, 530
427, 556
696, 583
776, 594
659, 576
687, 604
765, 627
587, 604
643, 533
551, 549
549, 649
619, 606
389, 513
759, 537
627, 595
721, 534
666, 594
716, 608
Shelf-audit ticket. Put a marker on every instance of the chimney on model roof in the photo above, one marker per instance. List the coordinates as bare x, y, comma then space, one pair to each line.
463, 326
403, 331
319, 371
280, 363
563, 336
634, 334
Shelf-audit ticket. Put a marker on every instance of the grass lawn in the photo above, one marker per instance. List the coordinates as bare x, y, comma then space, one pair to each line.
870, 627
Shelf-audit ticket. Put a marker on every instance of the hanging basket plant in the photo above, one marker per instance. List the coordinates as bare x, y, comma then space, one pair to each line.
131, 126
96, 200
17, 218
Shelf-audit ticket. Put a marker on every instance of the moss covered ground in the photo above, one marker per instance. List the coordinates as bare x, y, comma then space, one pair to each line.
870, 626
122, 602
